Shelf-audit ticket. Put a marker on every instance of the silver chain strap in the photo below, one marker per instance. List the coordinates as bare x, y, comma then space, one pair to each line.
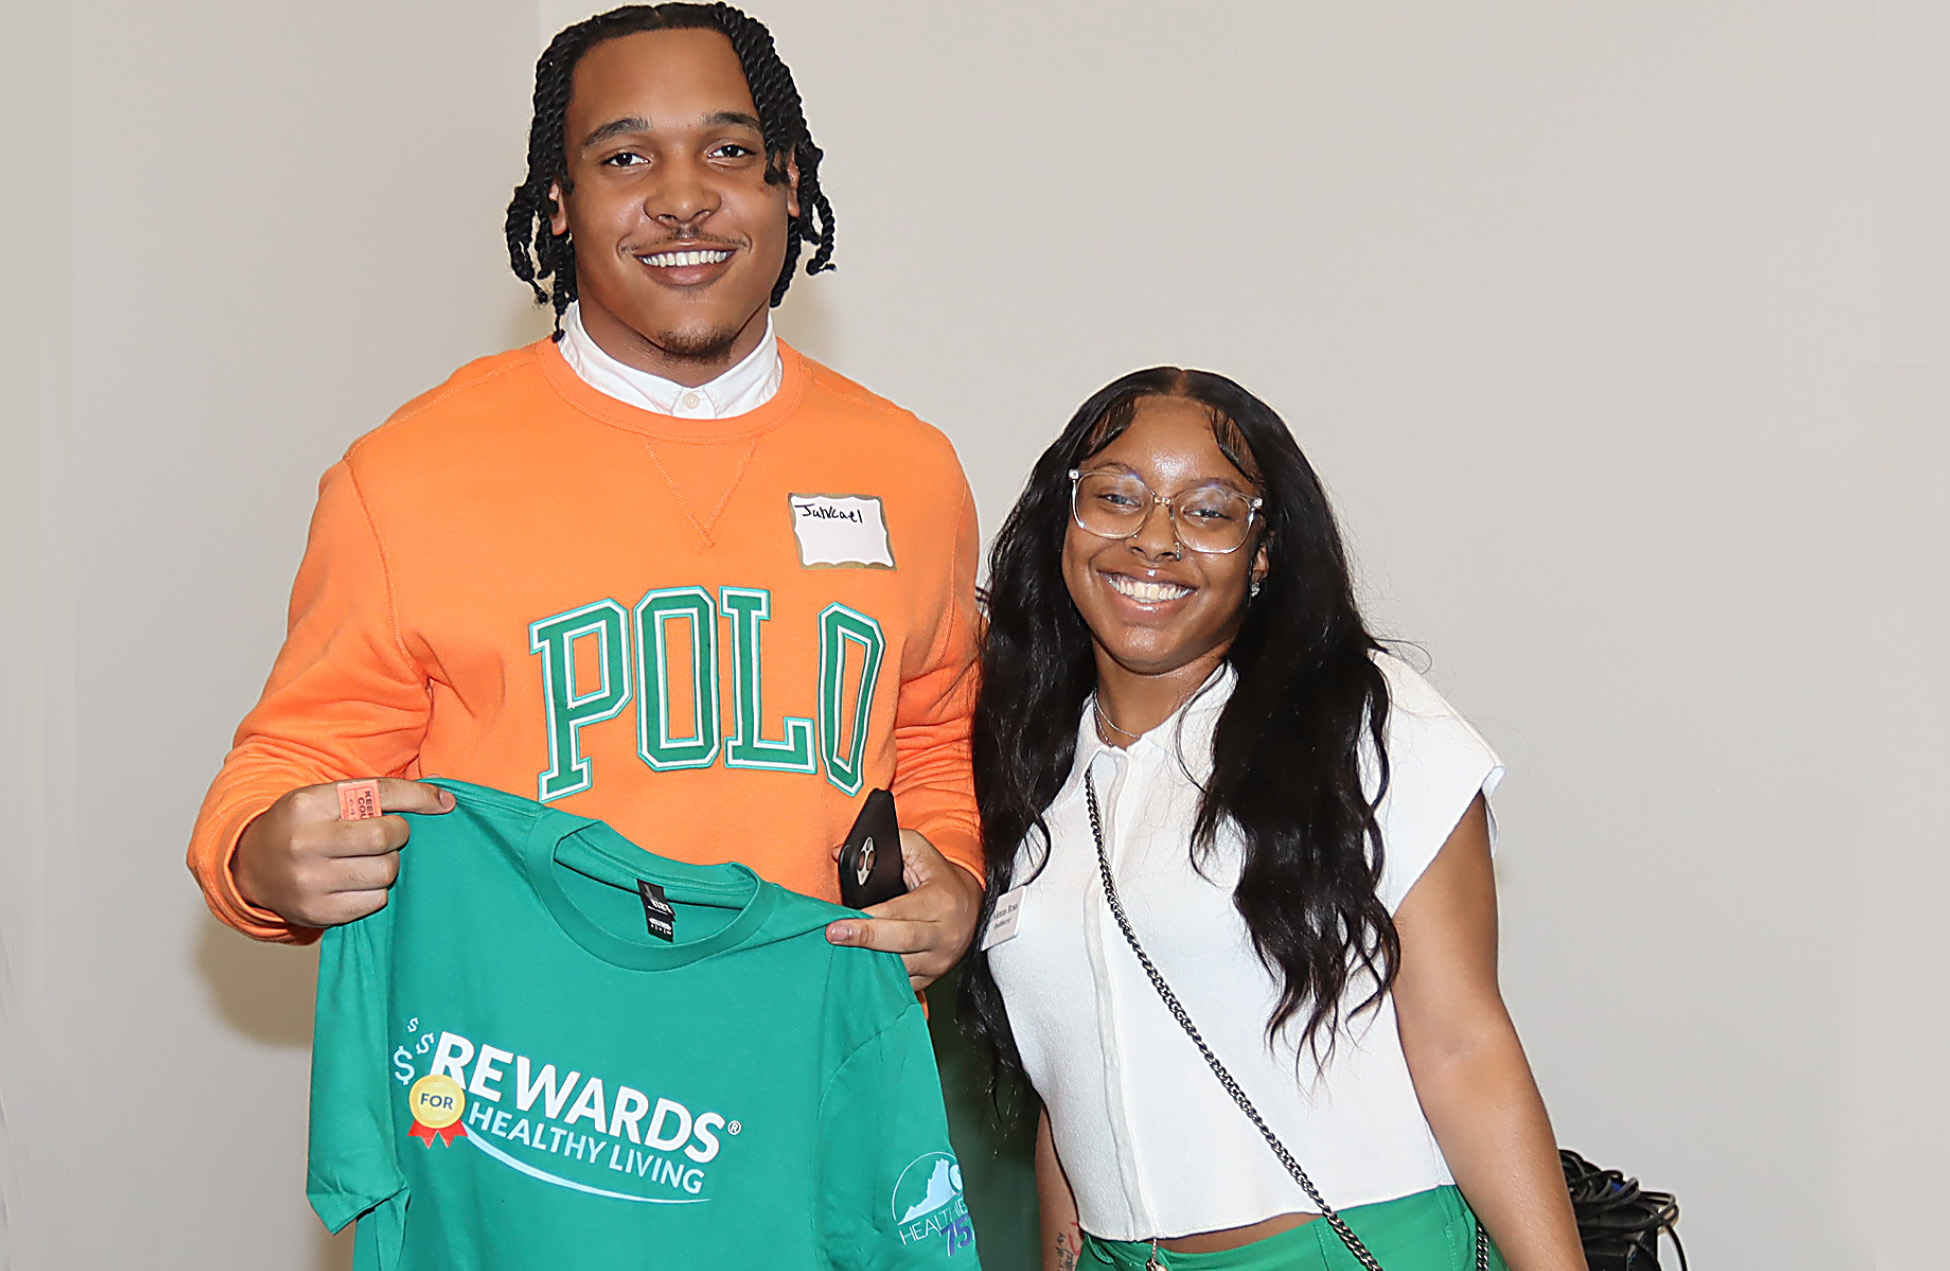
1327, 1211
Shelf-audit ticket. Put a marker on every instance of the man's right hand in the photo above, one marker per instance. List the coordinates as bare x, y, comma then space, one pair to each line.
298, 860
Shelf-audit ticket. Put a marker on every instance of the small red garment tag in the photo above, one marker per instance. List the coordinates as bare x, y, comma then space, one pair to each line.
358, 800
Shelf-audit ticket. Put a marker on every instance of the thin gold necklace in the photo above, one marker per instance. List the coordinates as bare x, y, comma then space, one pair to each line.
1097, 704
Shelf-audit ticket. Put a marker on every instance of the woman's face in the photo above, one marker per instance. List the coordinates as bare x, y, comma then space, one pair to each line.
1153, 605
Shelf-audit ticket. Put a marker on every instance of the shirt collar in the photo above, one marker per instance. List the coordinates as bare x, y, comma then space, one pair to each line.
1183, 740
745, 387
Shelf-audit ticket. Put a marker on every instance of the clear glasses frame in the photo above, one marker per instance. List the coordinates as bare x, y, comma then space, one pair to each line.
1172, 509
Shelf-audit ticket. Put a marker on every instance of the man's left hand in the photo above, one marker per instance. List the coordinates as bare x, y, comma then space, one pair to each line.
931, 926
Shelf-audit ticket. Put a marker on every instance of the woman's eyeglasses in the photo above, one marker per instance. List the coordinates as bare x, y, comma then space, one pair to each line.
1205, 518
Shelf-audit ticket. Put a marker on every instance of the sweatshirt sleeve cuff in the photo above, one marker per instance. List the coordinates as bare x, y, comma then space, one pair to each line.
227, 902
961, 846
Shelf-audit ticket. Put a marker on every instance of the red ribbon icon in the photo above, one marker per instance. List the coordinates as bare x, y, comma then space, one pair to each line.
446, 1133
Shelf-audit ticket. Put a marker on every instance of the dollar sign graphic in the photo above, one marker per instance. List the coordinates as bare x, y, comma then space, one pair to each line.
403, 1060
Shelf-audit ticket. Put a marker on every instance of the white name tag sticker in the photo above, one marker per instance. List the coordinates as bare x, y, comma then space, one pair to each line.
1002, 923
841, 531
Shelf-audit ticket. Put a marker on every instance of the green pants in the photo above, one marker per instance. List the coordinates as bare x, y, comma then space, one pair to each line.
1429, 1231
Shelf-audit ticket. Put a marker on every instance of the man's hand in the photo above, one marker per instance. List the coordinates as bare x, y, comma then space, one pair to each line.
930, 926
298, 860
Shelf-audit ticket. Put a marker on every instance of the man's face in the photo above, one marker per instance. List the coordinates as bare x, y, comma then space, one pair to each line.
678, 237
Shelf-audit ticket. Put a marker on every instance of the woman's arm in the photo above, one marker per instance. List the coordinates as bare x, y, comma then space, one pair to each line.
1062, 1237
1469, 1068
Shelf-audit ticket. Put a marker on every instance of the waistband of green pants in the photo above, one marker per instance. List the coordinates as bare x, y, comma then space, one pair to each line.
1428, 1231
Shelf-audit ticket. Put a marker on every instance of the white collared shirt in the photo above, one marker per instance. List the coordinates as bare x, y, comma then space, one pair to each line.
1150, 1142
745, 387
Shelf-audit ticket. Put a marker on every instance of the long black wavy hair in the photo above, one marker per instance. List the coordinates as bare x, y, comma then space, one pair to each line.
536, 253
1286, 756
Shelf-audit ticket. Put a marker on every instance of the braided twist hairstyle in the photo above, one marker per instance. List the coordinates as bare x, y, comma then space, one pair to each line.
538, 255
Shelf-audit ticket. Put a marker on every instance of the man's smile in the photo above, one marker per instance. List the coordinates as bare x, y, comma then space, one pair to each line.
678, 259
686, 265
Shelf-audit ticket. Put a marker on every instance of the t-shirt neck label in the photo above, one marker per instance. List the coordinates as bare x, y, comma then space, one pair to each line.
658, 914
561, 843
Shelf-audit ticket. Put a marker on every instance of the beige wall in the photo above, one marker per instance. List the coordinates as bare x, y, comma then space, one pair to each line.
285, 222
1573, 305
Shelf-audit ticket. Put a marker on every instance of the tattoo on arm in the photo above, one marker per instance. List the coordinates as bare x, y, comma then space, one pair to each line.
1069, 1248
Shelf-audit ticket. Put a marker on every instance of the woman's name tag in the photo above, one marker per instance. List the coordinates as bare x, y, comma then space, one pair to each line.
1002, 923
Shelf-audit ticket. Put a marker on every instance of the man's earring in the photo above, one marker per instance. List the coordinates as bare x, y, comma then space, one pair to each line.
1253, 592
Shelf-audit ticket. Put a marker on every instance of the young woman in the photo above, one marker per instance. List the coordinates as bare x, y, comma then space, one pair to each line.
1186, 729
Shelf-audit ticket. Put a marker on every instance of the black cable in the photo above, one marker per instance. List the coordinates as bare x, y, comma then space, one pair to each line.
1616, 1216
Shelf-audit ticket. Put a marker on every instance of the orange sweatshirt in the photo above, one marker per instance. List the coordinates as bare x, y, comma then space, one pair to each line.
715, 635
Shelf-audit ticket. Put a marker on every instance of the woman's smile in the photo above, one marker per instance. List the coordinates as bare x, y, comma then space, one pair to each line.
1146, 592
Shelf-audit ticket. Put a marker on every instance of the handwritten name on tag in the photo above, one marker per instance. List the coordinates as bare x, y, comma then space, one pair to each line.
842, 531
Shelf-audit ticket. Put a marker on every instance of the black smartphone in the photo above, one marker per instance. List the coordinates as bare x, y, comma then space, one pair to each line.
871, 868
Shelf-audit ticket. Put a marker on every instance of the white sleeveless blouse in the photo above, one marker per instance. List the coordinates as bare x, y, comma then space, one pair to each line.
1150, 1142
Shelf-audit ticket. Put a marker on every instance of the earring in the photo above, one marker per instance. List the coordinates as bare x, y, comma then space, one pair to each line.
1252, 593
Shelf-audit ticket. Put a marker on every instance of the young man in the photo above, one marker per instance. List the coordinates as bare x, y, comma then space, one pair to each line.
661, 570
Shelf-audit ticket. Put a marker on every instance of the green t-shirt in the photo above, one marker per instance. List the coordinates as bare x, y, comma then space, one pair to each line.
510, 1070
